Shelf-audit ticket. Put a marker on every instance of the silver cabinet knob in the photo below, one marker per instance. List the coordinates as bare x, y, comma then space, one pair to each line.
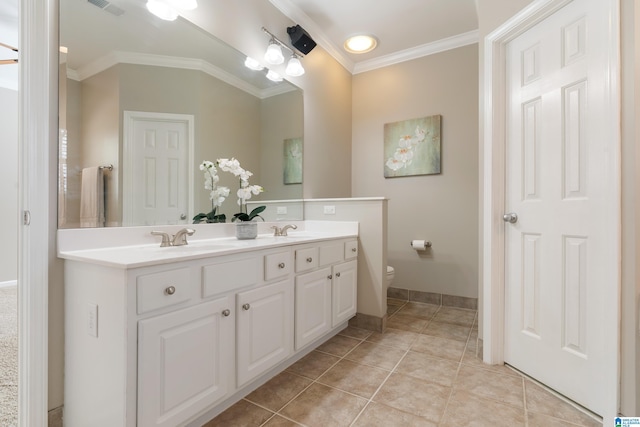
337, 274
330, 277
309, 259
510, 217
281, 265
183, 216
353, 249
246, 306
170, 290
226, 312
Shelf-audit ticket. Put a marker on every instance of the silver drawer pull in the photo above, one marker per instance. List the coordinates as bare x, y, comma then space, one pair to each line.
170, 290
353, 249
226, 312
330, 277
309, 259
246, 306
281, 265
337, 274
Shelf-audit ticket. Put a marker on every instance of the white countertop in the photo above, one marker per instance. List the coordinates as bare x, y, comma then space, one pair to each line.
132, 255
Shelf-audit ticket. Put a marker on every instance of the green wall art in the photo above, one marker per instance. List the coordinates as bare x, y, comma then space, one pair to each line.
412, 147
293, 161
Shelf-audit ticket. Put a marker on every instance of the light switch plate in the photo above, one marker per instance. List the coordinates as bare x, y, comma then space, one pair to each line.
281, 210
330, 210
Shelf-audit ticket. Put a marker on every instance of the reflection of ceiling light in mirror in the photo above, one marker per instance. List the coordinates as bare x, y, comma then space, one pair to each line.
360, 44
273, 76
274, 54
253, 64
162, 10
63, 49
294, 67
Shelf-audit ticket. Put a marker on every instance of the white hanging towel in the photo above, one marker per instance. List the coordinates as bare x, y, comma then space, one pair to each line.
92, 198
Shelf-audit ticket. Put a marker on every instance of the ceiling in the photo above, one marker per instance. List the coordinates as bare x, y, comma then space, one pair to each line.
405, 29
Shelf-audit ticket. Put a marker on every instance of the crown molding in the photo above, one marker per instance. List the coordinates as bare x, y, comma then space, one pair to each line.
135, 58
427, 49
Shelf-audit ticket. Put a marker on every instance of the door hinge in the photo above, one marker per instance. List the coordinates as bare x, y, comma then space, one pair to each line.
26, 217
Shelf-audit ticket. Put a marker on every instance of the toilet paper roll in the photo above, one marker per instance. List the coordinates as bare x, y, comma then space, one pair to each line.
419, 245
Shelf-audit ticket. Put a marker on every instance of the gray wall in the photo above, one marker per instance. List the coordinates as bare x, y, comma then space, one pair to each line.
441, 208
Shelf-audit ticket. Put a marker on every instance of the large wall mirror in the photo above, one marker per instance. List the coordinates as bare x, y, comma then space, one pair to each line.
147, 101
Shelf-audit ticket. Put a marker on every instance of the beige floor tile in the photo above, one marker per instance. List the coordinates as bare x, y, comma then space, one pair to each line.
419, 365
456, 316
339, 345
465, 409
353, 332
542, 401
540, 420
278, 391
379, 415
278, 421
407, 323
420, 310
395, 338
415, 396
313, 364
439, 347
490, 385
447, 330
242, 414
320, 405
378, 355
471, 359
355, 378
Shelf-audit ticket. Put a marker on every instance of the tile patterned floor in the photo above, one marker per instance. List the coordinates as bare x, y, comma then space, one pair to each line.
423, 371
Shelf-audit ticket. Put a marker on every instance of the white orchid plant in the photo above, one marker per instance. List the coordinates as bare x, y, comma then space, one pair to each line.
218, 194
245, 191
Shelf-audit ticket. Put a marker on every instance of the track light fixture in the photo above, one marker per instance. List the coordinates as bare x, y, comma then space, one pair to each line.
274, 54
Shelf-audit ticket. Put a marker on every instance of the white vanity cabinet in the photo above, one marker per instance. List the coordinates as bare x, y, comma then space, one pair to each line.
165, 344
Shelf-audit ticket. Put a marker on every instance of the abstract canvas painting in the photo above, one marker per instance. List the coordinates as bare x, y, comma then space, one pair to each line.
412, 147
293, 161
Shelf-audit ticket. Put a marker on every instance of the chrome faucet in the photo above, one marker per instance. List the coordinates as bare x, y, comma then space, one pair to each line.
283, 231
180, 239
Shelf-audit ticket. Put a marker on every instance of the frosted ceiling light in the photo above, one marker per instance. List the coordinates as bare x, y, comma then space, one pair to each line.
274, 54
273, 76
253, 64
294, 67
183, 4
162, 10
360, 44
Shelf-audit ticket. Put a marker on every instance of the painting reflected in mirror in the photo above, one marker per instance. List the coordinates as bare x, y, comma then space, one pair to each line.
144, 101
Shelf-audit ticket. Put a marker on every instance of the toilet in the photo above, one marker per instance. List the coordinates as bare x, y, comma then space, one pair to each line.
390, 275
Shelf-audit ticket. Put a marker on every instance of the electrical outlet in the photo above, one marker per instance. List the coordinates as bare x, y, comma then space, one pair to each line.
329, 210
92, 318
281, 210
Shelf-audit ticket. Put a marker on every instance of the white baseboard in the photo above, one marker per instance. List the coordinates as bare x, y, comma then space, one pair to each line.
8, 284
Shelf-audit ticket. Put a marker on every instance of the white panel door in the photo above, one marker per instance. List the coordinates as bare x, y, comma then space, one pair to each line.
156, 181
561, 274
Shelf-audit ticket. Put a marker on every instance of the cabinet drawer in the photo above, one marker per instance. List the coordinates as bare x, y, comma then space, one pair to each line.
331, 253
158, 290
306, 259
277, 265
351, 249
230, 275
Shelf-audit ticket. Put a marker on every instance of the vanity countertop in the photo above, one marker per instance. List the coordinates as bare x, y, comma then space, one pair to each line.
143, 255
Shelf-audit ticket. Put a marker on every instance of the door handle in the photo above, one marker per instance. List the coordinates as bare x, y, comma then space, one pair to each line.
511, 217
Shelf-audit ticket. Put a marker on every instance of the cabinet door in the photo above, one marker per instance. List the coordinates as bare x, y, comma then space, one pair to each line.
264, 329
184, 362
345, 291
313, 306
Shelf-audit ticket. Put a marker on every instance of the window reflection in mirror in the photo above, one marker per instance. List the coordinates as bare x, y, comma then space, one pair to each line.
195, 100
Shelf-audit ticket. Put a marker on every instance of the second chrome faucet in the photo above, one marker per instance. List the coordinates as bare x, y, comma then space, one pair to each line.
277, 231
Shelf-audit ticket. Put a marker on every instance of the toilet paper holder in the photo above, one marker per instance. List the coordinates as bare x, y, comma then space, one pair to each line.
420, 244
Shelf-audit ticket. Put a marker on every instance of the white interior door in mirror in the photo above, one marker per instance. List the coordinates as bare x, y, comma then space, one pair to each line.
157, 167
